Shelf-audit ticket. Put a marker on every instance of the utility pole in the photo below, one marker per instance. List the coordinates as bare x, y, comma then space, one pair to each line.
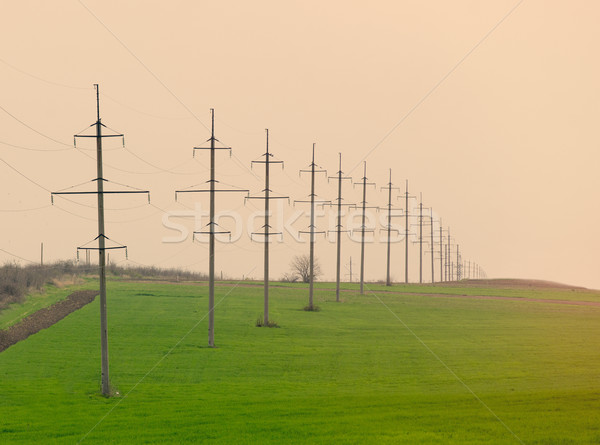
363, 228
350, 270
407, 224
441, 243
338, 230
458, 264
311, 227
211, 225
42, 255
448, 256
267, 233
389, 188
432, 254
102, 238
420, 216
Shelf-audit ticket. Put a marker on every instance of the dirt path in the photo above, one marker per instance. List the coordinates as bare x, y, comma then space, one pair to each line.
45, 317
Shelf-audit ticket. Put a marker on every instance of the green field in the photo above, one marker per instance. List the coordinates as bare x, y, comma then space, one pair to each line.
387, 367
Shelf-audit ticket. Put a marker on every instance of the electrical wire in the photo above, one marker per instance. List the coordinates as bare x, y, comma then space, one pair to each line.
33, 129
142, 112
144, 65
25, 210
21, 147
26, 177
17, 256
42, 79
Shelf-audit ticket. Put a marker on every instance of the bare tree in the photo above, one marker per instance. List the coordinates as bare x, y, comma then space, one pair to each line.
301, 267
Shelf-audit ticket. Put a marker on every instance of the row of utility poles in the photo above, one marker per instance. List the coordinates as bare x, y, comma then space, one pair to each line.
104, 244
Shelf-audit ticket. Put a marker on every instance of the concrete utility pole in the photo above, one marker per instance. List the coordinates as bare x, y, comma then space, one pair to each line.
441, 243
448, 256
407, 224
458, 264
311, 227
102, 238
338, 229
432, 243
420, 241
267, 233
389, 188
350, 270
211, 225
363, 228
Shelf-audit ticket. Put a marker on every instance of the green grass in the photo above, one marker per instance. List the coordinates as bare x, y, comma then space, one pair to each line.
426, 370
34, 301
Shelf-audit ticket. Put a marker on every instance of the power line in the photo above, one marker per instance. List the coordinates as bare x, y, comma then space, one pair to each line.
17, 256
42, 79
21, 147
33, 129
24, 176
143, 64
437, 85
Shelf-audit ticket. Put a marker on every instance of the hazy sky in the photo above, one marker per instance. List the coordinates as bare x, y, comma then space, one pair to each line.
489, 109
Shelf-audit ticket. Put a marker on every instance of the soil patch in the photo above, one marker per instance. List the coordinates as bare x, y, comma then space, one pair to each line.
45, 317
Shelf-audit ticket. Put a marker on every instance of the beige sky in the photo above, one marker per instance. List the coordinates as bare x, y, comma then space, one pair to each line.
504, 149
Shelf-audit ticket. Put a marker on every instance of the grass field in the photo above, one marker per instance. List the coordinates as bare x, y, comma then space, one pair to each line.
387, 367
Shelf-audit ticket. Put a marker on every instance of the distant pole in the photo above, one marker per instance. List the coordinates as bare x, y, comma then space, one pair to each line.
432, 259
406, 212
351, 269
311, 229
338, 230
421, 238
42, 254
363, 228
211, 239
339, 235
362, 231
266, 249
445, 262
458, 263
441, 252
388, 281
449, 256
389, 188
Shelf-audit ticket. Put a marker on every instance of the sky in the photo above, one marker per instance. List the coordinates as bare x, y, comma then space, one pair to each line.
487, 109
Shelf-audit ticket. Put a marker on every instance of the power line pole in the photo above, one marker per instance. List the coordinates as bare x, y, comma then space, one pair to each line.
458, 263
42, 254
420, 216
267, 233
449, 256
432, 245
407, 224
441, 244
102, 238
338, 230
363, 228
311, 230
211, 225
389, 188
350, 270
